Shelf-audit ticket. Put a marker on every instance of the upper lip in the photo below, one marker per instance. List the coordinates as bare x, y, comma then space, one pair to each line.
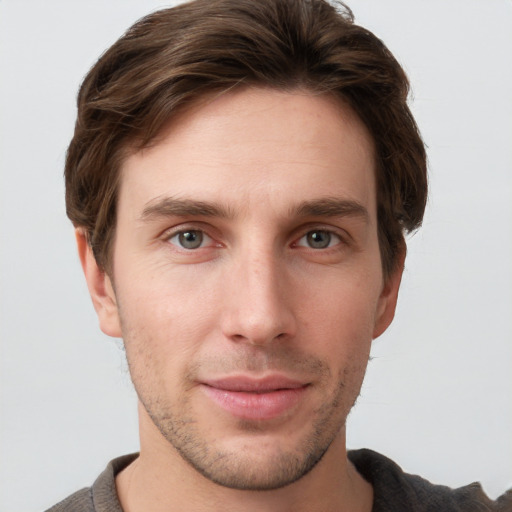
254, 384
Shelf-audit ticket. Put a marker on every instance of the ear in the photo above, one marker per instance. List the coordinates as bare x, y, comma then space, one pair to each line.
100, 288
388, 298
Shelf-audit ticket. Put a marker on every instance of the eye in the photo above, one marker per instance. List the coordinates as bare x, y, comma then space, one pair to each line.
190, 239
319, 239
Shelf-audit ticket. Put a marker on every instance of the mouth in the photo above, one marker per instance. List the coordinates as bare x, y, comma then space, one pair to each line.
256, 398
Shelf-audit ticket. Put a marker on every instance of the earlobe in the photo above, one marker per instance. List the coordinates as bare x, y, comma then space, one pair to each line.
100, 287
389, 296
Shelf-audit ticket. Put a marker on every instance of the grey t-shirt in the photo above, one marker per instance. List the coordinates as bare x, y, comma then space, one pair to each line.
394, 490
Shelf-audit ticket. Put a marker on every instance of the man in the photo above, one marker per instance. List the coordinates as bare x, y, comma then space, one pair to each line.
241, 178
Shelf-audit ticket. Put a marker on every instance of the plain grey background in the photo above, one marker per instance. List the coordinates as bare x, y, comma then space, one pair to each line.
438, 393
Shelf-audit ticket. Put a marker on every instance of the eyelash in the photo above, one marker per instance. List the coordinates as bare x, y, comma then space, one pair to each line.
309, 234
331, 235
169, 236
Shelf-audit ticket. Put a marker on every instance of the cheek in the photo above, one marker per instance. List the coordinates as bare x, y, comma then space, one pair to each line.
165, 322
171, 303
343, 307
341, 326
159, 347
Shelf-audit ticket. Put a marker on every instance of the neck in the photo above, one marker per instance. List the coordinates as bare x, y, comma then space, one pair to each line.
160, 480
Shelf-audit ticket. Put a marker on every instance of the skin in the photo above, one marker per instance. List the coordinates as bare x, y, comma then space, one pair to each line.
286, 281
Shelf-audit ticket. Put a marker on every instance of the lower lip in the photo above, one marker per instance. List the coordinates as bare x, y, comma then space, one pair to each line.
256, 406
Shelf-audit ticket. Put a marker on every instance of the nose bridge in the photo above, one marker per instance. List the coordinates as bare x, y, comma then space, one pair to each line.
259, 305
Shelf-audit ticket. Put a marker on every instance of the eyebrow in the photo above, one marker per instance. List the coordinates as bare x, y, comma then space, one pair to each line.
331, 207
174, 207
323, 207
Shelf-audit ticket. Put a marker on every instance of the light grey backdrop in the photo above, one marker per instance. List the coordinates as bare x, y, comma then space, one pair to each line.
438, 394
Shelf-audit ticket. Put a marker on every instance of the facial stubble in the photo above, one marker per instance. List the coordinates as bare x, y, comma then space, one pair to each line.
244, 469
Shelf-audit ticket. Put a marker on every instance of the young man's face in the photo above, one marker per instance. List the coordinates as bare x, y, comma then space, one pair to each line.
248, 283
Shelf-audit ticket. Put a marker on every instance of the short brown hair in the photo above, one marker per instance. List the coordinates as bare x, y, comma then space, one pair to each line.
174, 56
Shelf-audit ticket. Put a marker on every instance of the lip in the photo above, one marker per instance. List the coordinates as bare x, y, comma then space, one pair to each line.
251, 398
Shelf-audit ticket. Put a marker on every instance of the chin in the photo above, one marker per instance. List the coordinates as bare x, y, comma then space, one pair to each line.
257, 468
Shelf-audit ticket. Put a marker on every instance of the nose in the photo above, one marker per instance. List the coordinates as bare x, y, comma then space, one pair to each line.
258, 298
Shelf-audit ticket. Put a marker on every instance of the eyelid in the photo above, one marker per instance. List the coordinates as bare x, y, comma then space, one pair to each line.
340, 233
204, 242
334, 241
206, 230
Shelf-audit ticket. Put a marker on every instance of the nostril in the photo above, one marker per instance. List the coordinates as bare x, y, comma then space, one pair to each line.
258, 339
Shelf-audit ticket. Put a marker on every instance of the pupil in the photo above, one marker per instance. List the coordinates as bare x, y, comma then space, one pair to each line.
319, 239
191, 239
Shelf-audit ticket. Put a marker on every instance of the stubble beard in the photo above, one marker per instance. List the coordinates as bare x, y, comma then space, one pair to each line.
235, 469
232, 468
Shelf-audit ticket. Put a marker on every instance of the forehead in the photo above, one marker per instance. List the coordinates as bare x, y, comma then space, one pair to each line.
256, 146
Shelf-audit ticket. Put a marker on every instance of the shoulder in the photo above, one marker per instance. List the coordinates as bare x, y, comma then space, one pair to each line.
80, 501
102, 496
396, 491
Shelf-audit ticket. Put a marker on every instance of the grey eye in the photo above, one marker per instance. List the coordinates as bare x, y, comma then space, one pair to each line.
318, 239
191, 239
